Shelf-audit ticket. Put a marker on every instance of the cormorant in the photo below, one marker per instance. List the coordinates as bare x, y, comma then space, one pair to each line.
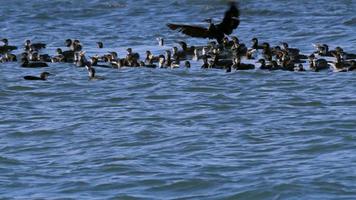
230, 22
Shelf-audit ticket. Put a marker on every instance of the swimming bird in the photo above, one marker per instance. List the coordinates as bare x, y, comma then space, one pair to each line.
230, 22
299, 68
161, 62
132, 58
178, 55
94, 61
264, 66
218, 63
237, 65
8, 57
251, 54
344, 55
272, 66
29, 46
118, 63
27, 64
341, 64
323, 50
293, 51
73, 45
275, 66
287, 62
43, 77
317, 64
160, 41
255, 44
5, 48
187, 64
226, 44
64, 56
91, 72
187, 50
168, 59
267, 51
81, 60
100, 45
196, 55
150, 58
240, 50
205, 62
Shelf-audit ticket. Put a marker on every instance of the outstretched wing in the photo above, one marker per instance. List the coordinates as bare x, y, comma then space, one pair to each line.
231, 20
193, 31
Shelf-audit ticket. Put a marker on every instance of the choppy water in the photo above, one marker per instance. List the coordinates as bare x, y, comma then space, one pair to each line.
176, 134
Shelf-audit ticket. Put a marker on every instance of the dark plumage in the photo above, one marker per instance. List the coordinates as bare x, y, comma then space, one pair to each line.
255, 44
29, 46
27, 64
242, 66
317, 65
187, 64
6, 47
66, 56
273, 66
187, 50
230, 22
100, 45
299, 68
42, 77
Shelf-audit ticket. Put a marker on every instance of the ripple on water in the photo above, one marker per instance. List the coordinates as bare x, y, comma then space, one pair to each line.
170, 134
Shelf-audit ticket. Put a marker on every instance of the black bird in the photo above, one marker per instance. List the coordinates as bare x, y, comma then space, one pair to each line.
205, 62
91, 72
255, 44
42, 77
317, 64
63, 56
272, 66
187, 64
8, 57
29, 46
27, 64
187, 50
230, 22
100, 45
299, 68
6, 47
241, 66
73, 45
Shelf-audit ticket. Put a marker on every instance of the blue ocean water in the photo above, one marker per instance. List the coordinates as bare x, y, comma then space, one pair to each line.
176, 134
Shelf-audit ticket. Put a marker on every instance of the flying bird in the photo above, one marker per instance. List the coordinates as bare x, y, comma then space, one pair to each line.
230, 22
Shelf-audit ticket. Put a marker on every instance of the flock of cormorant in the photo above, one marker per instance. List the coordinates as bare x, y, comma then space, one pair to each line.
225, 53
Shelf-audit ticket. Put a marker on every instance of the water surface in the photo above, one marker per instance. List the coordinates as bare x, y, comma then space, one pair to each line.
176, 134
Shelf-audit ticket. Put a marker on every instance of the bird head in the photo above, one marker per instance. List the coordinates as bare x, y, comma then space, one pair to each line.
100, 45
68, 42
5, 41
44, 75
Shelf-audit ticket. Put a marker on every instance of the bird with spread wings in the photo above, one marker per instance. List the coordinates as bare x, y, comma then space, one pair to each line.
230, 22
